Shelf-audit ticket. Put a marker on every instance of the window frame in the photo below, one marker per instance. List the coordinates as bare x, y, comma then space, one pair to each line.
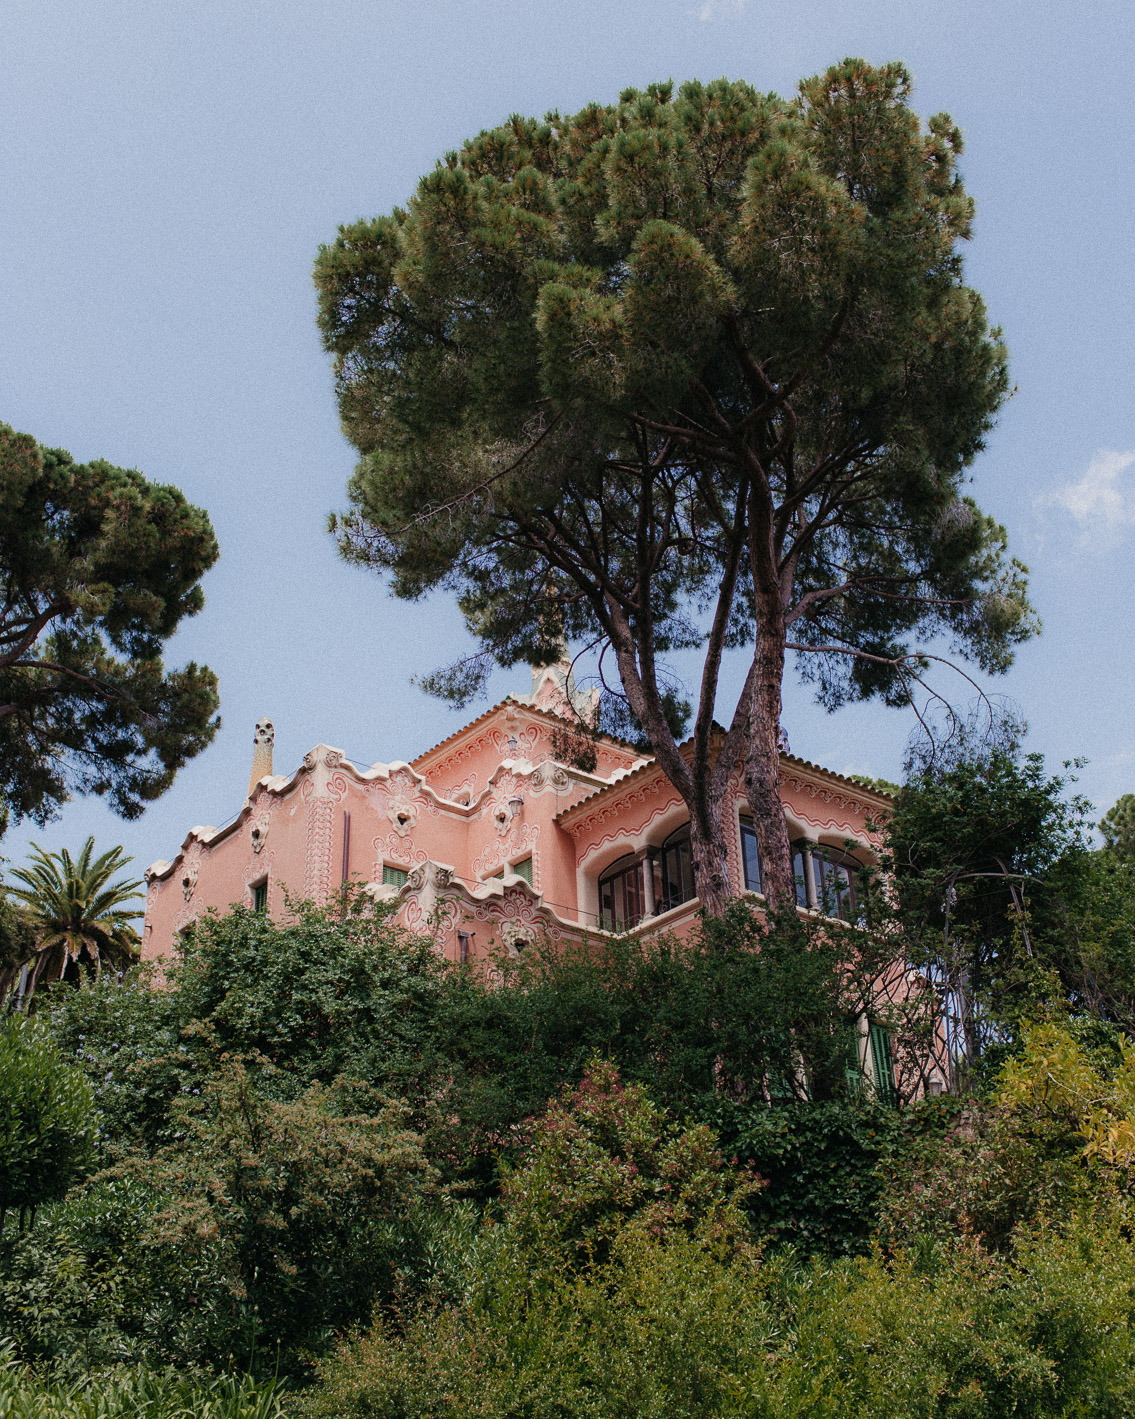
746, 827
672, 843
826, 859
629, 865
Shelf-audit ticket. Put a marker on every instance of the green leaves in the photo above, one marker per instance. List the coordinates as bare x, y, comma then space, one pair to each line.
703, 363
77, 912
47, 1119
98, 568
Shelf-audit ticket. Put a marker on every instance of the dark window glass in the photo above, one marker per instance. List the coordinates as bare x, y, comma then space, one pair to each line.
620, 895
837, 883
393, 876
750, 857
260, 897
677, 871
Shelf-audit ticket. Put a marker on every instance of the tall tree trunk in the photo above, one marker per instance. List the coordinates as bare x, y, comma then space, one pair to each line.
762, 755
709, 853
702, 785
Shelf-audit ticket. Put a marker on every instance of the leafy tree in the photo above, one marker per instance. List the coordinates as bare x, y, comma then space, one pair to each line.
126, 1037
1118, 828
17, 944
98, 568
80, 917
1098, 966
988, 856
300, 1212
692, 370
741, 1007
329, 993
321, 996
604, 1157
47, 1119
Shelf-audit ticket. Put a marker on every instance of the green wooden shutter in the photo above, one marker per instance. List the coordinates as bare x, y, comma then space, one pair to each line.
260, 897
393, 876
523, 869
882, 1064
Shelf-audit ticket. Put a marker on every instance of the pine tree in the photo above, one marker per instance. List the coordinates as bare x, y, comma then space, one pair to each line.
697, 369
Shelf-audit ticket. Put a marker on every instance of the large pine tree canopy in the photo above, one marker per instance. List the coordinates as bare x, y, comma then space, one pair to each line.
695, 369
98, 568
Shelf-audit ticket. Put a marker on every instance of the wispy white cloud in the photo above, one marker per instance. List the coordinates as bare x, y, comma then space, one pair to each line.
1102, 501
713, 9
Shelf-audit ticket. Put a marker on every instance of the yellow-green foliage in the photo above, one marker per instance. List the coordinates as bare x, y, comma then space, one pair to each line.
1056, 1137
671, 1327
1056, 1083
618, 1309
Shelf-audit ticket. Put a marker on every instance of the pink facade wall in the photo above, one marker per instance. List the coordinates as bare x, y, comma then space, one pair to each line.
476, 805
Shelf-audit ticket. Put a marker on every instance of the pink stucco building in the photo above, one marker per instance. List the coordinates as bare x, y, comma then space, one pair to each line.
490, 836
494, 836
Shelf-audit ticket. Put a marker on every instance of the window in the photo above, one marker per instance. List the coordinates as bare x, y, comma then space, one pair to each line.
621, 895
837, 883
881, 1062
677, 870
750, 857
828, 880
518, 869
463, 946
260, 896
393, 876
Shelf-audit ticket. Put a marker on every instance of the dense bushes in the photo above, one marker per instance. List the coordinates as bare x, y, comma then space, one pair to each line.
622, 1291
824, 1167
668, 1328
592, 1187
47, 1120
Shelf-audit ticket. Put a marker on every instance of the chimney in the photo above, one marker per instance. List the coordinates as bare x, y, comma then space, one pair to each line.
262, 742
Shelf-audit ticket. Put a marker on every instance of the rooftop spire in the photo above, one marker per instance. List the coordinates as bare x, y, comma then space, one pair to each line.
262, 741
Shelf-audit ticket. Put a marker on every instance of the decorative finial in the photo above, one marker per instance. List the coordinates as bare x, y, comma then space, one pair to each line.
262, 741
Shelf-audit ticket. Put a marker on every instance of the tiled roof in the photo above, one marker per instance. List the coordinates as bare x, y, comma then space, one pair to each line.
621, 780
516, 703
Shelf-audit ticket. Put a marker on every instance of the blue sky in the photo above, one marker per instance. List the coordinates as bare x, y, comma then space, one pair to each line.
169, 171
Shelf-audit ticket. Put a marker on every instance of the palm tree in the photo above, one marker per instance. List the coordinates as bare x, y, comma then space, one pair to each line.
77, 913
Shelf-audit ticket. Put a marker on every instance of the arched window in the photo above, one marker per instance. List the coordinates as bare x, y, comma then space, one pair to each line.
750, 857
621, 895
828, 880
677, 870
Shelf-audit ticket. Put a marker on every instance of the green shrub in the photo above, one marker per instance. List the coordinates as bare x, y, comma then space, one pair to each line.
302, 1211
665, 1327
825, 1166
126, 1039
602, 1158
959, 1332
332, 992
250, 1240
720, 1014
134, 1394
47, 1120
671, 1326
